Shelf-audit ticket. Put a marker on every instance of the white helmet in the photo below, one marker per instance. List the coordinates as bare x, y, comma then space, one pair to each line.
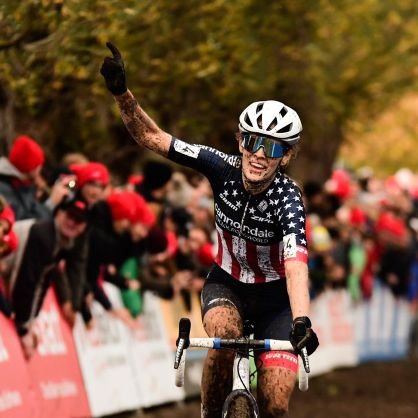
271, 118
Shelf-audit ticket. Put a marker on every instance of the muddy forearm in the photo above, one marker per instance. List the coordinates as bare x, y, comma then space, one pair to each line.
141, 127
298, 287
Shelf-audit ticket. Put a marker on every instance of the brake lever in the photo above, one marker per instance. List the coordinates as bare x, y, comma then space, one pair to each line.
179, 352
305, 359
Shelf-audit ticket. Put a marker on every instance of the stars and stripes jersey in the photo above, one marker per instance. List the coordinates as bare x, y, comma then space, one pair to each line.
256, 233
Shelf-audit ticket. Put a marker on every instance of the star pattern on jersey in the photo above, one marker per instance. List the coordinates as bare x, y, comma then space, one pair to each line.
291, 216
280, 205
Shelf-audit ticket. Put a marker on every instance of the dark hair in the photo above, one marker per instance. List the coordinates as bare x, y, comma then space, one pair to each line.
156, 241
156, 174
75, 206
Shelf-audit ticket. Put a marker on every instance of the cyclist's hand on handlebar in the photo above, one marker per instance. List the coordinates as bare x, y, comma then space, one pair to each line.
302, 335
113, 71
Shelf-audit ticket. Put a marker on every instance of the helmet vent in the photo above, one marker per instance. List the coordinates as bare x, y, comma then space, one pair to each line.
247, 120
283, 112
286, 128
260, 121
259, 107
273, 124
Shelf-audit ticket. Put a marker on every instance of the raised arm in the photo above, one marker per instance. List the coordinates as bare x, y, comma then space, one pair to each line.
141, 127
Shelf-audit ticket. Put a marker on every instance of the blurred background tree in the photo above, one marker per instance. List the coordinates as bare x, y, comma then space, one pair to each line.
194, 65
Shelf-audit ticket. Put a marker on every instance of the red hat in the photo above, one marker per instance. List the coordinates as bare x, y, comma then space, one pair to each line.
26, 154
357, 216
389, 223
340, 184
8, 215
173, 243
90, 172
205, 254
11, 242
135, 179
142, 214
121, 205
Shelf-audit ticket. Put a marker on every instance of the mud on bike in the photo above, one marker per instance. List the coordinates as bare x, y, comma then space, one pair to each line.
240, 403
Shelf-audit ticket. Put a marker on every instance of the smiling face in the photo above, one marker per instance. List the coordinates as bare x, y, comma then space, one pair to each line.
258, 170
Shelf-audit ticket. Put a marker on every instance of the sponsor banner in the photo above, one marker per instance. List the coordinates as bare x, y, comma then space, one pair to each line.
16, 398
172, 311
152, 357
54, 368
383, 326
104, 356
332, 318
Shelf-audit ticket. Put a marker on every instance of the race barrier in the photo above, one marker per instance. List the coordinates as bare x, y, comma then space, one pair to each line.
112, 368
50, 384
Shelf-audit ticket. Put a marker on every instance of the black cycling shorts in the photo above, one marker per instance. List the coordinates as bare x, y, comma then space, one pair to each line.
266, 304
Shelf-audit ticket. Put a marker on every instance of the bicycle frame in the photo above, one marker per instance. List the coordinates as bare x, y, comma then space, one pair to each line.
241, 368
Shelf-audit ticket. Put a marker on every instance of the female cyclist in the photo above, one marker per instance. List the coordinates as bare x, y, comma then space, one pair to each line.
261, 270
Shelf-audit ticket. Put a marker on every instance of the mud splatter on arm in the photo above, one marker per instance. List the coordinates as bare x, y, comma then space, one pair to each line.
141, 127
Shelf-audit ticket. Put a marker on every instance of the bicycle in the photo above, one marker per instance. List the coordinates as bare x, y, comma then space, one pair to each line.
240, 403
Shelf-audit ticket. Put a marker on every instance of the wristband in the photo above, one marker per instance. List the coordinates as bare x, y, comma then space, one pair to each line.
303, 319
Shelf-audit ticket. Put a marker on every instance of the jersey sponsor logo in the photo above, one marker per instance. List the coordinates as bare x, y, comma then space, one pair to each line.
261, 219
262, 206
228, 202
186, 149
226, 222
233, 160
289, 246
237, 228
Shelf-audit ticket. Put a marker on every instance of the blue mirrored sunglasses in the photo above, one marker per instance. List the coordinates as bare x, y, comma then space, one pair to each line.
272, 148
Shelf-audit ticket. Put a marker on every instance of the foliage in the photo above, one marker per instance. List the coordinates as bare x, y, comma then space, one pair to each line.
387, 143
194, 65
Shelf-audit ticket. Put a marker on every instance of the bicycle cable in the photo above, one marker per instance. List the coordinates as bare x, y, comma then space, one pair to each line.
240, 377
257, 366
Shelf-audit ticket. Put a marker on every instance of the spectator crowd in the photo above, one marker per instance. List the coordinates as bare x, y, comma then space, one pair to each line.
71, 227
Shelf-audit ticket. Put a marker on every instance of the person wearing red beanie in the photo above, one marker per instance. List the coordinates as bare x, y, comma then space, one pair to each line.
121, 209
110, 245
20, 181
92, 180
143, 218
26, 154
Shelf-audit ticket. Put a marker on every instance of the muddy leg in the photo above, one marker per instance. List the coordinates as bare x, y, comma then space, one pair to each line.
223, 322
274, 388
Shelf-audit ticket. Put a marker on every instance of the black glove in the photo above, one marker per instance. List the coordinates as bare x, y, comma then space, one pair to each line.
113, 71
302, 335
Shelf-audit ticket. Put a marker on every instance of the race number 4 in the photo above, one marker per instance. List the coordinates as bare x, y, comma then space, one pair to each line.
289, 246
